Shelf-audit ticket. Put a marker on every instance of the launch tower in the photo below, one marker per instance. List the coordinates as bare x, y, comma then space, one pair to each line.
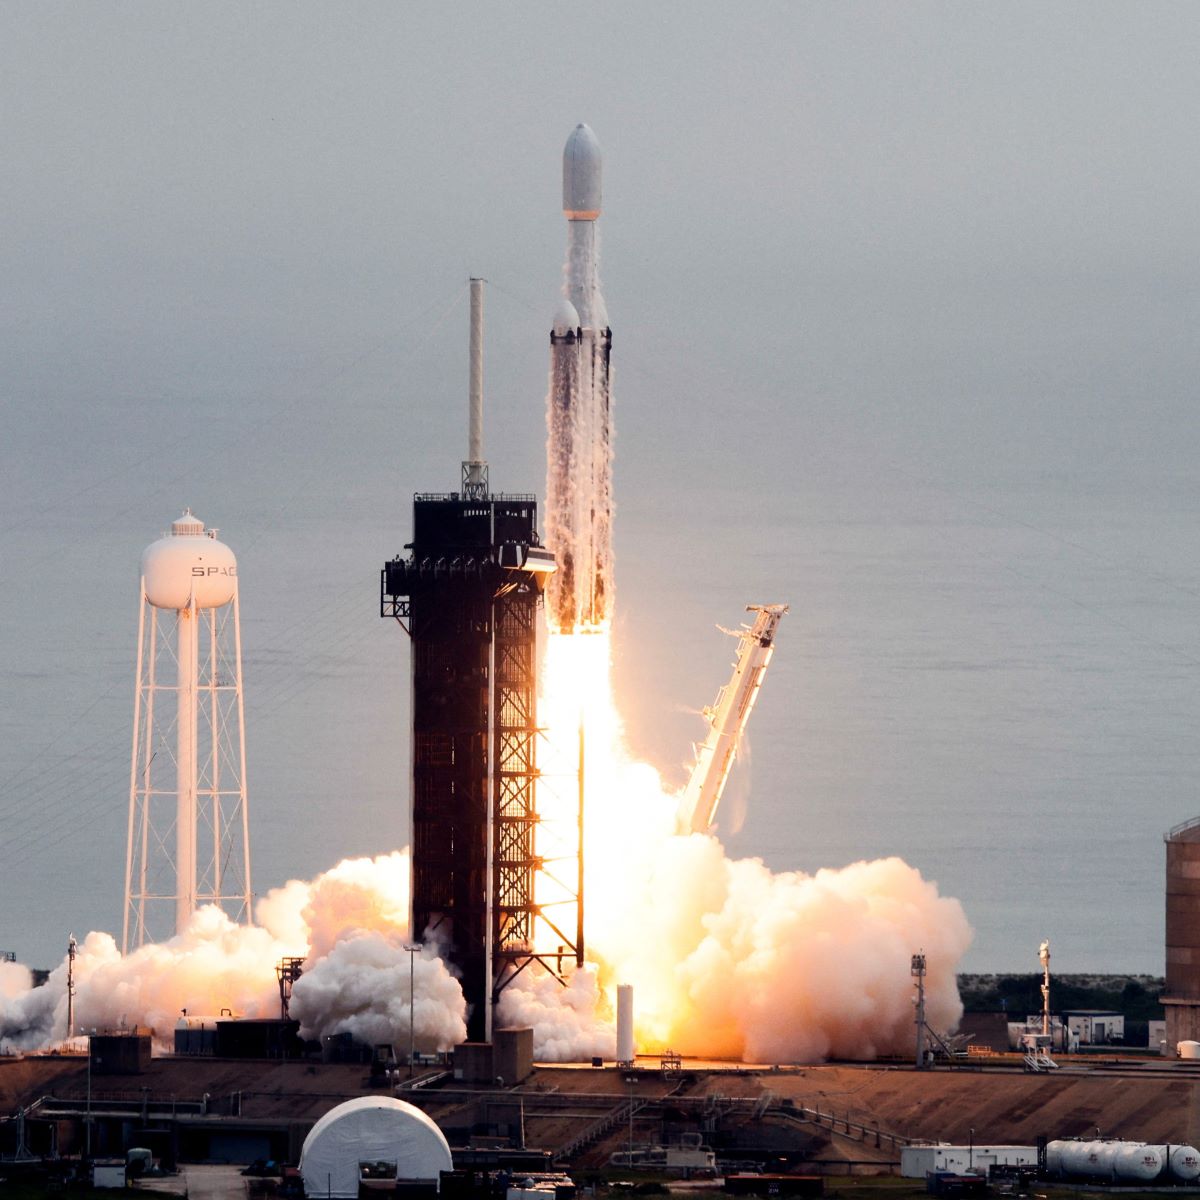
468, 596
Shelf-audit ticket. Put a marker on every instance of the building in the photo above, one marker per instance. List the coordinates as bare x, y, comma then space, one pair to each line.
1094, 1026
918, 1162
1181, 997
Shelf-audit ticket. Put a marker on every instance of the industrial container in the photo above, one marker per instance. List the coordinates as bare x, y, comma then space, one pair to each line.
1139, 1164
1132, 1162
1188, 1049
1088, 1160
1184, 1163
1054, 1157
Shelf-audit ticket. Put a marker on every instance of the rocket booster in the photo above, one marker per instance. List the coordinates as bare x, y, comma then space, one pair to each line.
579, 449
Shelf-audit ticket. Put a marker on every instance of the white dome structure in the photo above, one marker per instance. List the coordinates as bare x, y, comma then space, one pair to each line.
371, 1129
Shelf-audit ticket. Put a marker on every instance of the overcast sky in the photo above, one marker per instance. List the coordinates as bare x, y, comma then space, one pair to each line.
904, 300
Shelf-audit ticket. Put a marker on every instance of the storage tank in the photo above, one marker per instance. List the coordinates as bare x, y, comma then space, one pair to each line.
1070, 1156
1184, 1163
626, 1047
1138, 1163
1188, 1049
1054, 1154
1089, 1160
189, 563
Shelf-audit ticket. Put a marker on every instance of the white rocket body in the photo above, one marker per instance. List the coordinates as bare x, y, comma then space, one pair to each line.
579, 450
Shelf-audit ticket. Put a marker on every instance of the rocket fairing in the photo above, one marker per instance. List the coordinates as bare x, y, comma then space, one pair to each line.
579, 450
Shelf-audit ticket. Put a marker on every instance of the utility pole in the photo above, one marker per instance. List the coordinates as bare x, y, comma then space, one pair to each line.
918, 974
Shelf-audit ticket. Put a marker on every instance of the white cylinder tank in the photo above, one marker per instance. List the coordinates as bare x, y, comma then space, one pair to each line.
1054, 1154
1135, 1162
1184, 1163
1138, 1163
1188, 1049
1091, 1160
189, 563
626, 1048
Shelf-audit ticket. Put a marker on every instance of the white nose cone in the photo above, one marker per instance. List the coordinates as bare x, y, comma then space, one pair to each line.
581, 175
566, 319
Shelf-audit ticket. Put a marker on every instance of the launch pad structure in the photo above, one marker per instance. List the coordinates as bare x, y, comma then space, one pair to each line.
469, 595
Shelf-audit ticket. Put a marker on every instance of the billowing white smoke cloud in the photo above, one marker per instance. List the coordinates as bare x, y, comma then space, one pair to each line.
726, 958
362, 988
570, 1023
215, 965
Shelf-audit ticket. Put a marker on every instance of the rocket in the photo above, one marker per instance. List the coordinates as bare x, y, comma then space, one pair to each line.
579, 447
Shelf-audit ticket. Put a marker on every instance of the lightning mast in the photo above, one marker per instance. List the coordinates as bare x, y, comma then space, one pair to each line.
1044, 959
188, 840
727, 718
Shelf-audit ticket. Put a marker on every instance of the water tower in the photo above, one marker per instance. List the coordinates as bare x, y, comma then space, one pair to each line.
188, 842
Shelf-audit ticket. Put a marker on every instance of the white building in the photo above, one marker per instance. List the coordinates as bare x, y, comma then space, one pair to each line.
1095, 1026
917, 1162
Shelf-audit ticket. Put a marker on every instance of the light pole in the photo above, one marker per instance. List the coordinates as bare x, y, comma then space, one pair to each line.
413, 950
971, 1152
87, 1123
631, 1080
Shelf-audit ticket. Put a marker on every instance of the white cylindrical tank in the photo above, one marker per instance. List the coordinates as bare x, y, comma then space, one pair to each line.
189, 563
1054, 1157
1073, 1157
190, 1022
1138, 1162
626, 1049
1090, 1160
1188, 1049
371, 1129
1184, 1163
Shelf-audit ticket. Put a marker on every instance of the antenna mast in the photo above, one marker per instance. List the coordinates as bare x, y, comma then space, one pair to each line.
1044, 958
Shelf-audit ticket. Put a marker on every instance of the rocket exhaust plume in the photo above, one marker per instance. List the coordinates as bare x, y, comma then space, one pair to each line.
579, 449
